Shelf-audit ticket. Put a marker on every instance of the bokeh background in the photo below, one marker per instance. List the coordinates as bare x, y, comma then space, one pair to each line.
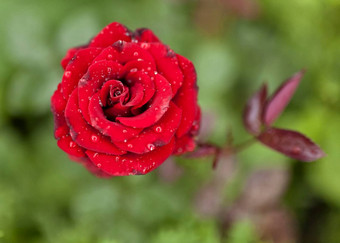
235, 45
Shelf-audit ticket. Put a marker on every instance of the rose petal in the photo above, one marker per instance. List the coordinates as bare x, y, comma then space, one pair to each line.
132, 52
68, 56
291, 143
184, 144
147, 84
252, 115
188, 71
116, 131
156, 135
58, 104
136, 94
145, 35
137, 66
158, 106
90, 83
85, 135
117, 110
167, 65
77, 68
131, 164
110, 34
186, 97
106, 92
70, 147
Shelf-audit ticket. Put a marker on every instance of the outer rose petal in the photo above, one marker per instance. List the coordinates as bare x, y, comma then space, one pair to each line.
145, 35
157, 135
167, 65
58, 104
184, 144
85, 135
70, 147
186, 97
67, 58
131, 164
110, 34
77, 68
158, 106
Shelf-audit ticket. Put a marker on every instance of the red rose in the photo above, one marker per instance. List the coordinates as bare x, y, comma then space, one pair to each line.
126, 103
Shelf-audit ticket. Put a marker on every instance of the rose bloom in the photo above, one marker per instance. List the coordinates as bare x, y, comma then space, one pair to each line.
126, 103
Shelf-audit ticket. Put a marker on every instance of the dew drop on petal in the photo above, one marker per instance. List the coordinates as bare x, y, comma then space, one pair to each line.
99, 165
135, 53
130, 145
72, 144
94, 138
124, 131
133, 70
151, 146
68, 74
158, 129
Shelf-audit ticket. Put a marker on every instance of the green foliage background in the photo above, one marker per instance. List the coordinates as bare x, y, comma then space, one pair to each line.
46, 198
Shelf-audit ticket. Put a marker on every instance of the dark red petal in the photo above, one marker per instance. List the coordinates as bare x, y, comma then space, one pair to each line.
281, 98
77, 68
189, 72
136, 66
116, 131
291, 143
67, 58
131, 164
167, 65
90, 83
58, 104
132, 52
110, 34
196, 124
147, 83
107, 89
252, 115
70, 147
158, 106
145, 35
184, 144
156, 135
85, 135
186, 97
136, 94
117, 110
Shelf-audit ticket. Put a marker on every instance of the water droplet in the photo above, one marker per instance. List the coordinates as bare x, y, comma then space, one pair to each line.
109, 69
95, 155
117, 158
94, 138
133, 70
124, 131
99, 165
130, 145
109, 56
135, 53
125, 140
68, 74
72, 144
150, 146
158, 129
